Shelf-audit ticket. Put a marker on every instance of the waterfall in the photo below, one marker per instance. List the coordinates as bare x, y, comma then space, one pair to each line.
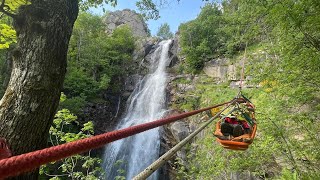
127, 157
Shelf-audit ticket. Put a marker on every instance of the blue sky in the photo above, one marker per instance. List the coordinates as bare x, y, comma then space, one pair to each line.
174, 14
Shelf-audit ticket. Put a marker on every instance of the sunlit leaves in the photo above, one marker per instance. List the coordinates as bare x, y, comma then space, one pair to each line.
7, 36
86, 4
65, 129
88, 127
283, 56
7, 33
203, 38
13, 5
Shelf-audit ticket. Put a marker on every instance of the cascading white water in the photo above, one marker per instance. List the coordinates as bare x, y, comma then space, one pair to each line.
127, 157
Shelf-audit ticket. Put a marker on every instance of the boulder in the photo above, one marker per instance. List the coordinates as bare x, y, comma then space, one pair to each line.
179, 130
126, 17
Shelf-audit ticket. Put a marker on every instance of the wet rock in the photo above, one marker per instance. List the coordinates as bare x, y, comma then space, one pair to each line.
142, 54
131, 82
174, 52
104, 115
172, 134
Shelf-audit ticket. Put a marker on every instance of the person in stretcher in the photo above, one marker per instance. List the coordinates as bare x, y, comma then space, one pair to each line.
237, 123
234, 127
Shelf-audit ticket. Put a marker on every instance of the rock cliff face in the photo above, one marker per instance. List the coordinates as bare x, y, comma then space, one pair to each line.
126, 17
223, 70
220, 69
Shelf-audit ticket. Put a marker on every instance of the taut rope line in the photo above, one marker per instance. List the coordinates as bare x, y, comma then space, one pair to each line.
164, 158
16, 165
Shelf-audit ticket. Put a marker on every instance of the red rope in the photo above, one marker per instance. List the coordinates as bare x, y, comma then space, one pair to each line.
26, 162
4, 149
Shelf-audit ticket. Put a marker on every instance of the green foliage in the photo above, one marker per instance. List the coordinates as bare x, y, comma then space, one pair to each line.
74, 104
12, 5
63, 97
209, 160
149, 9
219, 163
86, 4
96, 58
78, 83
84, 166
7, 39
7, 10
288, 175
7, 36
202, 38
120, 172
164, 31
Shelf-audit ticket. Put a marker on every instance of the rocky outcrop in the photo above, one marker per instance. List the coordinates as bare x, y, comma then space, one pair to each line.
145, 47
174, 52
105, 113
126, 17
223, 70
220, 69
172, 134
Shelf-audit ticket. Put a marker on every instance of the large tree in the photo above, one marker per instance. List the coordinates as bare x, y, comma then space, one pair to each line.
39, 66
31, 99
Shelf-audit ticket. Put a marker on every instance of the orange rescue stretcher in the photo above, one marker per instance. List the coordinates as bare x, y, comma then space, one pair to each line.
241, 142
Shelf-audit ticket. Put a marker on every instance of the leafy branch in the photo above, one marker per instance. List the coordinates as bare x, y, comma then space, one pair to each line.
5, 9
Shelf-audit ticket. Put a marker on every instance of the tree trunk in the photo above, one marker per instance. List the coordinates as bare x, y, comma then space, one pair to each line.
7, 69
29, 104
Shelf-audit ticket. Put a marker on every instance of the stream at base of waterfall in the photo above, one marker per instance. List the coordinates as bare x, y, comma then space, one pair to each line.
127, 157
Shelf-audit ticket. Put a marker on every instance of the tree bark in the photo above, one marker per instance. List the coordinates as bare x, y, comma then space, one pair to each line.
29, 104
7, 70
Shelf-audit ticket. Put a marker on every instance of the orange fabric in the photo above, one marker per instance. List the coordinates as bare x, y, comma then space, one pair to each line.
238, 143
243, 138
